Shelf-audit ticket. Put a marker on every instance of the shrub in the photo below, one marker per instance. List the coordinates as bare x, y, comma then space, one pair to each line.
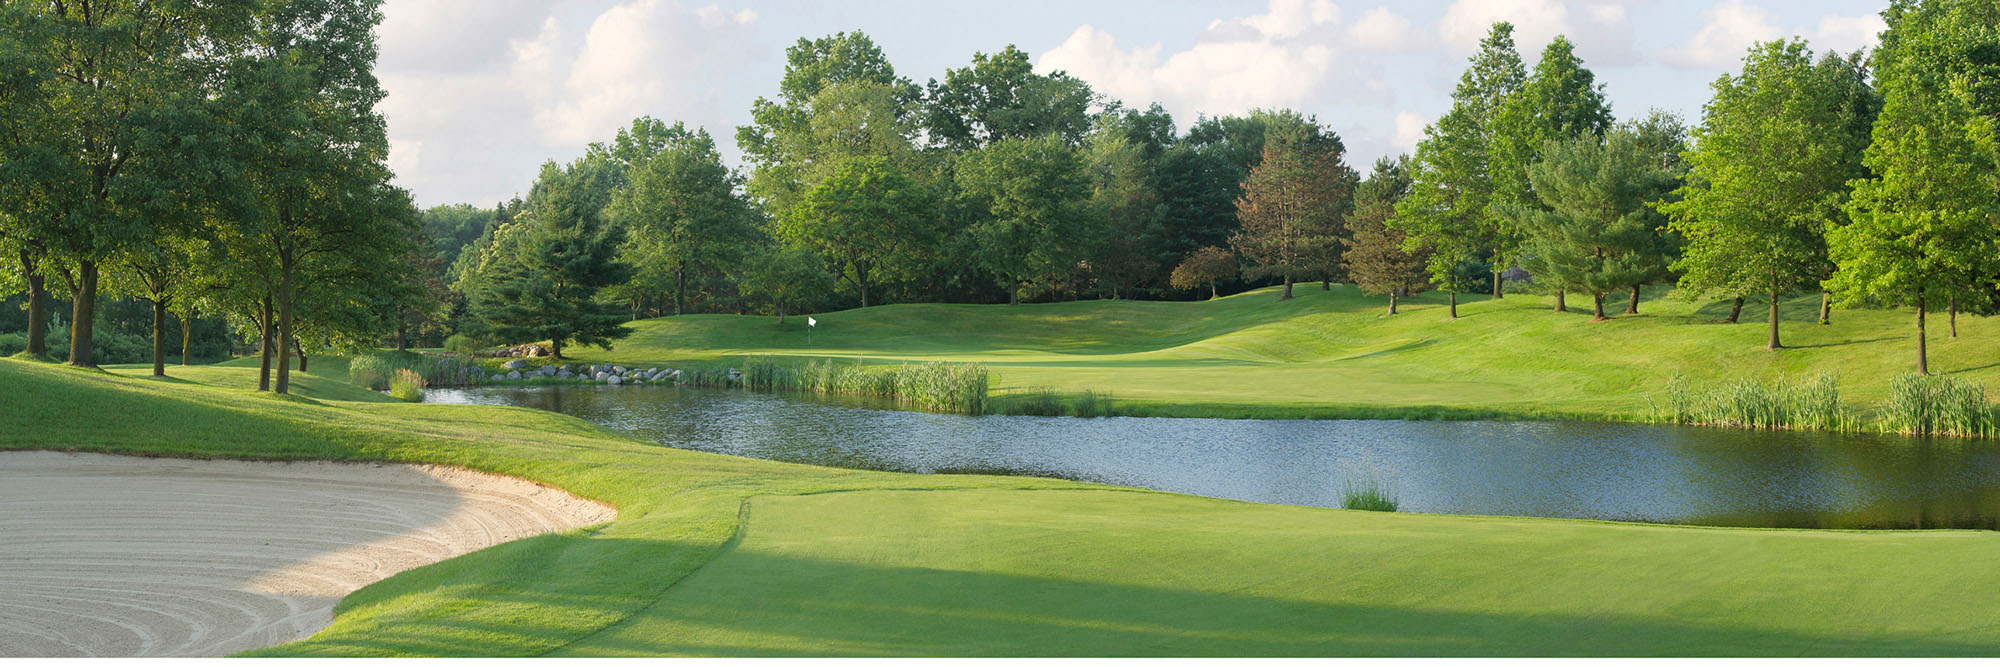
1046, 402
1368, 497
374, 370
407, 385
12, 344
462, 343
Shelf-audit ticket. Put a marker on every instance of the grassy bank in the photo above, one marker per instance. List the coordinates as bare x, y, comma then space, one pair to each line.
1334, 354
714, 555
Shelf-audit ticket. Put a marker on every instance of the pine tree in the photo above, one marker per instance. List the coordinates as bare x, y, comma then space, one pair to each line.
1292, 202
551, 261
1559, 101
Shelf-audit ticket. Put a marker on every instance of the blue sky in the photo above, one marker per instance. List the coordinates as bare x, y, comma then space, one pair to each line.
481, 92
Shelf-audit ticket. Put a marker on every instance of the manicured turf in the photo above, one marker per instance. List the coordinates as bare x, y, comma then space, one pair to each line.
1335, 354
721, 555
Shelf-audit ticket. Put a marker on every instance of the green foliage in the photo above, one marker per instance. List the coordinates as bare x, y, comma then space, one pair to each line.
462, 344
1376, 254
1595, 228
407, 385
547, 266
869, 217
1037, 223
1939, 405
1047, 402
1561, 100
1001, 97
1446, 211
1367, 497
680, 211
934, 386
1768, 173
1293, 201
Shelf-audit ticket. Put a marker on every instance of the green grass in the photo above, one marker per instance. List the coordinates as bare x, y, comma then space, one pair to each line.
1335, 354
716, 555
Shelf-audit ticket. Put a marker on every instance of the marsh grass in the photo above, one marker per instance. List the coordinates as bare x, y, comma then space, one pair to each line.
1938, 405
407, 385
933, 386
1369, 497
375, 369
1785, 403
1047, 402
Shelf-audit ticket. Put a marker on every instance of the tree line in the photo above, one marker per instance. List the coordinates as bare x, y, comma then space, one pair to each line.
211, 159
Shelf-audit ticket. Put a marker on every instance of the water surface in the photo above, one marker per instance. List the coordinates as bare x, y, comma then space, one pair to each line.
1624, 472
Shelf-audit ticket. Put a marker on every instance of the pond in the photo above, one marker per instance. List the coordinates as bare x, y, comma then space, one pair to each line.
1622, 472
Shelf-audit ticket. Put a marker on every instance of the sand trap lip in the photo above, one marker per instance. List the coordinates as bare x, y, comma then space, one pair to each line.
122, 556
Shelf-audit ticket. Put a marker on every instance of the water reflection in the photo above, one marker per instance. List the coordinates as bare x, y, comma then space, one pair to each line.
1588, 471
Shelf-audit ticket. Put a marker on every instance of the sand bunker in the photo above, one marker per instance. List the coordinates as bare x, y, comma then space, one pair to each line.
122, 556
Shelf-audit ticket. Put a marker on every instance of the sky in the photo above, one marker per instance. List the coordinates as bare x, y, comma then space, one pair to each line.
482, 92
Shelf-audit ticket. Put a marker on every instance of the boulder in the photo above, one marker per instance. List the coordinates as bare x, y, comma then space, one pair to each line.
512, 375
599, 376
514, 365
564, 374
618, 369
614, 380
638, 382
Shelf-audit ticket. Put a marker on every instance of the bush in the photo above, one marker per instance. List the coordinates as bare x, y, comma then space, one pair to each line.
463, 344
407, 385
12, 344
1045, 402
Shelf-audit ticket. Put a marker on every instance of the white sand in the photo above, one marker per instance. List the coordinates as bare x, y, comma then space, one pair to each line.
123, 556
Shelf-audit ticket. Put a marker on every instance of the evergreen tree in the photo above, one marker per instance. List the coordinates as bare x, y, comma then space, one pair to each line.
542, 281
1595, 228
1560, 100
1292, 201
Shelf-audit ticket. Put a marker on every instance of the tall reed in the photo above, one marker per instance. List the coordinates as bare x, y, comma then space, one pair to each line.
407, 385
935, 386
374, 369
1369, 497
1938, 405
1785, 403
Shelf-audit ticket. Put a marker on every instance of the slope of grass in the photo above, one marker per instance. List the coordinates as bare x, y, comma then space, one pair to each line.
1335, 354
715, 555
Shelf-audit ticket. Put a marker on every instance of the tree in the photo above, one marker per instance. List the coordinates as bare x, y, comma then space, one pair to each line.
542, 276
113, 107
1128, 251
1001, 97
839, 98
868, 218
159, 273
1035, 194
1560, 100
1375, 255
1594, 229
1204, 267
1924, 225
788, 278
1767, 176
681, 212
1292, 203
1447, 210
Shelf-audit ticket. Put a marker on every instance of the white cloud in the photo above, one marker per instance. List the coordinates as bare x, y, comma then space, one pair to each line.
1382, 30
1600, 29
1285, 57
1409, 131
1729, 29
481, 91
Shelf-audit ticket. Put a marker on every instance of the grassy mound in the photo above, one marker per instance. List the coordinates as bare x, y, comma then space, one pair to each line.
715, 555
1335, 354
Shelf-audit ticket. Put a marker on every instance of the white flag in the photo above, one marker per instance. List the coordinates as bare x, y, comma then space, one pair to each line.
811, 322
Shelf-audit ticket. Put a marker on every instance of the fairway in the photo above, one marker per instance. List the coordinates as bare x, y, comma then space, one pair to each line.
715, 555
1329, 354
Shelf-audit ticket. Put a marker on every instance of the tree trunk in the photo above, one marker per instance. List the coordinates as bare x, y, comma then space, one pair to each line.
781, 313
264, 332
284, 351
1392, 302
1775, 345
1211, 290
83, 316
555, 349
1735, 310
1953, 310
1497, 294
1454, 304
861, 282
38, 307
1014, 294
402, 343
1825, 307
1561, 306
1923, 347
1633, 308
1597, 307
1326, 284
1288, 288
187, 333
296, 347
681, 288
159, 339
